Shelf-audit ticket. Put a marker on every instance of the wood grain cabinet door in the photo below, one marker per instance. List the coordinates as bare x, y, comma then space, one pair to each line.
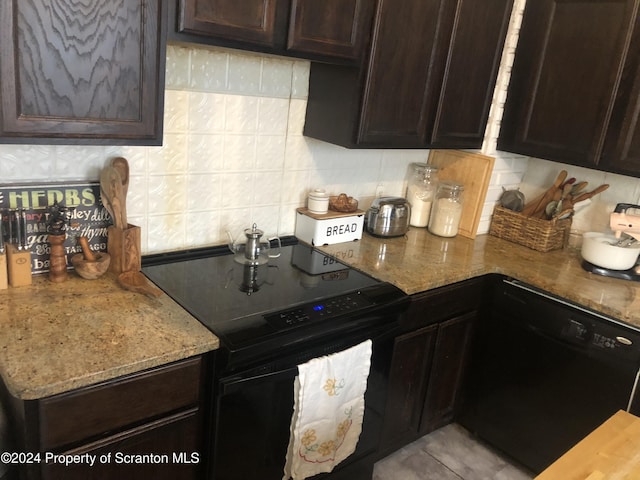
338, 28
82, 72
258, 22
565, 77
622, 145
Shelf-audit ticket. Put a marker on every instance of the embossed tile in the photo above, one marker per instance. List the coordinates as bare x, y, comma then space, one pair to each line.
204, 192
241, 114
237, 189
209, 70
26, 162
300, 81
268, 188
171, 158
207, 112
202, 228
239, 153
176, 110
244, 73
205, 152
165, 231
270, 152
276, 76
178, 67
167, 194
273, 115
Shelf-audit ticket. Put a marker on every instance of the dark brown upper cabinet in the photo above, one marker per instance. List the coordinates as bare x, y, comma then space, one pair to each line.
324, 30
622, 145
566, 80
428, 80
88, 72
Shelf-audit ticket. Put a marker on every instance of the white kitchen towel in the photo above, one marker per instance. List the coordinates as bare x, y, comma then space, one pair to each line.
328, 411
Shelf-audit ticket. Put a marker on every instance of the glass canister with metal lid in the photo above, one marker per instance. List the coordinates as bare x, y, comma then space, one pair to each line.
447, 210
421, 188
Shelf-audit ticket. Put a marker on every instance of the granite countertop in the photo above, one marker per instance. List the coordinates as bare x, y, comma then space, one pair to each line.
58, 337
421, 261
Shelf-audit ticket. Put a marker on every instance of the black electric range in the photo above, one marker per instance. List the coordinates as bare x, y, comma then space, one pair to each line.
300, 295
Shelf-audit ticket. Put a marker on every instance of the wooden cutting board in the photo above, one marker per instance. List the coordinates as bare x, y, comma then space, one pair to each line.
473, 170
611, 451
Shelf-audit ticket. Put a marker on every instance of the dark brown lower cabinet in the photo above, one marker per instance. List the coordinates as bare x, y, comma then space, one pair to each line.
146, 425
429, 363
167, 449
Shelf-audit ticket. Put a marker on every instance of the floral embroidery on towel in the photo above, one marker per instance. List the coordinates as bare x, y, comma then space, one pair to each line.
313, 450
333, 387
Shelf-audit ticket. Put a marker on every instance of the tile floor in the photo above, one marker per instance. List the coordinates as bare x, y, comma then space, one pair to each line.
449, 453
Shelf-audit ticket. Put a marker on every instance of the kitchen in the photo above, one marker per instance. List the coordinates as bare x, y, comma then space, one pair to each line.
234, 153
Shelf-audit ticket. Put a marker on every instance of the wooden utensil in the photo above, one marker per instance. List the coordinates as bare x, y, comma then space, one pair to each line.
122, 166
111, 189
137, 282
538, 204
592, 193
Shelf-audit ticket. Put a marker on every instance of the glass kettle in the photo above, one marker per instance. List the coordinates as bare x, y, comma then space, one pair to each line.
252, 250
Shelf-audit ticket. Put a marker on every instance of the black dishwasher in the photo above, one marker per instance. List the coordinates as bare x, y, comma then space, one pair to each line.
546, 373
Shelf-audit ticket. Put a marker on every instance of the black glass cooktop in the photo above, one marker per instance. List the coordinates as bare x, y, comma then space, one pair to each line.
244, 303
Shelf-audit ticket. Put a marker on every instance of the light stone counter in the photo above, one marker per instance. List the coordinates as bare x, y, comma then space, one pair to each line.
56, 337
421, 261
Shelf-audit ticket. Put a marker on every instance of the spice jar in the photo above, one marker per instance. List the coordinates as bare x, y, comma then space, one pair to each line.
447, 210
421, 188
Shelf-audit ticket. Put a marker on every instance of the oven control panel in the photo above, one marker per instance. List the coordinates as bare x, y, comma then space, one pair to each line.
322, 310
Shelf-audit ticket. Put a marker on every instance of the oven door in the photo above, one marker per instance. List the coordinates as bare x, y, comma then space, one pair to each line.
253, 412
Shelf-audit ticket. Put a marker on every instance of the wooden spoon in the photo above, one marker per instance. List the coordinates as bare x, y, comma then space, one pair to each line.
538, 204
137, 282
122, 166
111, 189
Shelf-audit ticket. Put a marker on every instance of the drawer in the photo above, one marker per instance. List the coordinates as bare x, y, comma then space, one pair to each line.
110, 406
444, 303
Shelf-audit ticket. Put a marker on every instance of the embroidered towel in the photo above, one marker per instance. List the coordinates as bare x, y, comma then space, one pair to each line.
328, 411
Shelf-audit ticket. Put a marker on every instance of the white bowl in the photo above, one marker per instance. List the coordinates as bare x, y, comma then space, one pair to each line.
597, 248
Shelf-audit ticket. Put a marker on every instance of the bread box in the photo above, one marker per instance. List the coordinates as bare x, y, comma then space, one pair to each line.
328, 228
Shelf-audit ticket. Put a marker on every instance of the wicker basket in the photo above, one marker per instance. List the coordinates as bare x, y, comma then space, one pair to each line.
535, 233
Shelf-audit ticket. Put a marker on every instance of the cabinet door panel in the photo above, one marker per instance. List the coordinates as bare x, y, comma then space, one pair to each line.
90, 69
409, 374
251, 21
474, 55
332, 27
564, 78
399, 85
622, 147
450, 358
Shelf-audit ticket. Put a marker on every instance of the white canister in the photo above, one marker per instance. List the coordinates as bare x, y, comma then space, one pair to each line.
318, 201
446, 211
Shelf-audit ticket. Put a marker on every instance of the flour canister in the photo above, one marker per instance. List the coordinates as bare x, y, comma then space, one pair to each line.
446, 210
421, 189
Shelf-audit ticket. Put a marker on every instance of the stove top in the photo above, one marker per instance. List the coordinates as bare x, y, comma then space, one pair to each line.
245, 304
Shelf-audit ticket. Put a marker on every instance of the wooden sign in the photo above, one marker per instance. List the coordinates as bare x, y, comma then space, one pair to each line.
88, 217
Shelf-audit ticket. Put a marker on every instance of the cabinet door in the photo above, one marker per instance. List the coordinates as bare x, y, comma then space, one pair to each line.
564, 78
468, 81
450, 358
399, 89
338, 28
409, 373
172, 447
82, 72
622, 146
258, 22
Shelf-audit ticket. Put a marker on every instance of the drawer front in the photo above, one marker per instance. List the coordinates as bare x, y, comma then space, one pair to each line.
444, 303
107, 407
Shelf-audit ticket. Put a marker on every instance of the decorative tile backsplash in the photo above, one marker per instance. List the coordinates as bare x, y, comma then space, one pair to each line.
233, 152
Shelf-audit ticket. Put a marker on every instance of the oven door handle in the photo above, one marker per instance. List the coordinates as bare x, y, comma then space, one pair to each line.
230, 385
